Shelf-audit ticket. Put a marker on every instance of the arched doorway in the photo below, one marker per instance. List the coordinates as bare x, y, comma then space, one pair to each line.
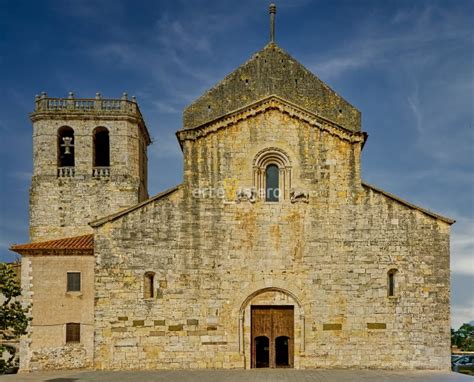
270, 302
273, 326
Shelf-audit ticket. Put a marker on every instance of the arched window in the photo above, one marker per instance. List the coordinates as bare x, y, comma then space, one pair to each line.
65, 147
272, 183
391, 282
101, 147
149, 285
272, 175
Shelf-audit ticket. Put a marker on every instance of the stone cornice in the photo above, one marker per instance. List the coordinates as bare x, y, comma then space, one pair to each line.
52, 115
271, 103
54, 252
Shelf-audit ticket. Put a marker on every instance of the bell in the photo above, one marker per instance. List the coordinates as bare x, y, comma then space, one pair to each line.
67, 145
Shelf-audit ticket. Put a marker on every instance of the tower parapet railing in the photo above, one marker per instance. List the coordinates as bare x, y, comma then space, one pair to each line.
101, 172
66, 172
123, 105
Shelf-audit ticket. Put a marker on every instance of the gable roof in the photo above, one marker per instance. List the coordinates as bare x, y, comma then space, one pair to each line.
272, 102
408, 204
117, 215
83, 244
271, 71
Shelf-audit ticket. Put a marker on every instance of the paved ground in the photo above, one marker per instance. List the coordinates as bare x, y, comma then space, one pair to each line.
243, 376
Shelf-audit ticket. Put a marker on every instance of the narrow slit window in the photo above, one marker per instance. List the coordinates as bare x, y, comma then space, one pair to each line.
74, 281
73, 332
272, 186
149, 287
391, 282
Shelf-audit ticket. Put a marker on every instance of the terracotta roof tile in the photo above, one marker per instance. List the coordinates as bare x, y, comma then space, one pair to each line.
76, 243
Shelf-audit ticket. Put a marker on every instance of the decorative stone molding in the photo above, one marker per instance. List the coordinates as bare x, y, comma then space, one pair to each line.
272, 102
266, 157
244, 320
299, 196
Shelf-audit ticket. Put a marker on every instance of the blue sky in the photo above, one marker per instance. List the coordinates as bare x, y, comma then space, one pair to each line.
407, 65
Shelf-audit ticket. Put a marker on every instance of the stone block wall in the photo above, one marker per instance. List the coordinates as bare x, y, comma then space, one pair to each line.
44, 282
330, 256
320, 162
63, 206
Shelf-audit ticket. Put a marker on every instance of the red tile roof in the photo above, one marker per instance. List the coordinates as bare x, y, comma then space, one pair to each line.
84, 243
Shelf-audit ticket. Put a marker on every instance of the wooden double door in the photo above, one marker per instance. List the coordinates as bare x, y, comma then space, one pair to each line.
272, 336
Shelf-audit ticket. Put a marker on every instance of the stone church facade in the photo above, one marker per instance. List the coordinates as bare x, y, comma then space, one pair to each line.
272, 252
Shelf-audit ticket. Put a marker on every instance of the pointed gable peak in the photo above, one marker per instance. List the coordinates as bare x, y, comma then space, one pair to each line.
271, 71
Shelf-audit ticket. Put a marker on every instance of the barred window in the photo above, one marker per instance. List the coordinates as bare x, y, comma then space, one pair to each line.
74, 281
73, 332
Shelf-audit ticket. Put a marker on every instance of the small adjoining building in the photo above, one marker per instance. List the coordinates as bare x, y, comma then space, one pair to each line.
272, 252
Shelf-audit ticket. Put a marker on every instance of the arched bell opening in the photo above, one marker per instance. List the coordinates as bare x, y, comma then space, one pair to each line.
101, 147
65, 147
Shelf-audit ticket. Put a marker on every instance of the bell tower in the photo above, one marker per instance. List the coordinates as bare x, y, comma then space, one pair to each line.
89, 161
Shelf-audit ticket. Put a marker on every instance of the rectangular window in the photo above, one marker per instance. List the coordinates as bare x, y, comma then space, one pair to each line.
73, 332
74, 281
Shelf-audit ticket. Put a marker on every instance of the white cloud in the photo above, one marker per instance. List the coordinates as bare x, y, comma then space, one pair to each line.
375, 44
173, 34
335, 66
414, 103
24, 176
4, 244
462, 268
165, 147
462, 247
462, 314
429, 56
166, 107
